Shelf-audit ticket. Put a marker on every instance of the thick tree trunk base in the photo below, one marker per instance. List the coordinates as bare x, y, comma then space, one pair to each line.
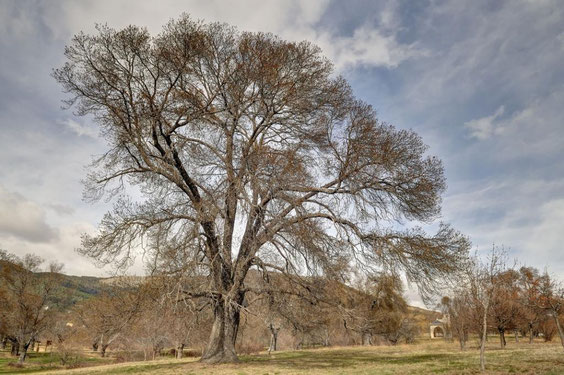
221, 345
221, 357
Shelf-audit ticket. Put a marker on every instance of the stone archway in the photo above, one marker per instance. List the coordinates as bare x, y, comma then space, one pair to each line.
438, 332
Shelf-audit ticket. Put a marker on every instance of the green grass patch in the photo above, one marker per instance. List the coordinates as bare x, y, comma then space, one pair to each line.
39, 362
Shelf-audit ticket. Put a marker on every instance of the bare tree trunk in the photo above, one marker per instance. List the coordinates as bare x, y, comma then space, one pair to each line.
366, 338
221, 345
179, 351
273, 338
23, 352
530, 334
15, 347
560, 333
95, 346
300, 335
462, 338
103, 350
327, 342
502, 341
4, 343
516, 336
484, 338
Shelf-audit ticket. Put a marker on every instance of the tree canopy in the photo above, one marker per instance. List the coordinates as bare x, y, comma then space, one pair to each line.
249, 152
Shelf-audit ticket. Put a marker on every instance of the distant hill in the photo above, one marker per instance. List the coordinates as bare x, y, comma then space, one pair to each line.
76, 288
422, 317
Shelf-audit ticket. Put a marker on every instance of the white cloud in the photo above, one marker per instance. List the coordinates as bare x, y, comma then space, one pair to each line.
293, 20
366, 47
252, 15
23, 219
524, 215
513, 49
535, 130
485, 127
61, 209
62, 249
79, 129
543, 241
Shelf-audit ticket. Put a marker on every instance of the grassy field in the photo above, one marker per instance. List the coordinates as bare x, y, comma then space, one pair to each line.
425, 357
39, 362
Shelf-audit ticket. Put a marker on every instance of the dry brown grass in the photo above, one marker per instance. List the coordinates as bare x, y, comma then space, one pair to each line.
425, 357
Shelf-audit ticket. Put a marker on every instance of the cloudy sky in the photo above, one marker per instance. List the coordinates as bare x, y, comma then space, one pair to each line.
481, 81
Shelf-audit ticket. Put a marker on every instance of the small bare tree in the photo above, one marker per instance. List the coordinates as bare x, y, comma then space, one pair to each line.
109, 315
505, 308
481, 284
551, 300
531, 313
377, 308
29, 297
458, 309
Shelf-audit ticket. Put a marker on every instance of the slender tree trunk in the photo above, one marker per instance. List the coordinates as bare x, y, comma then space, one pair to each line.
15, 348
221, 345
23, 352
530, 333
4, 343
273, 338
300, 341
502, 341
516, 336
462, 338
560, 332
103, 348
484, 338
366, 338
179, 351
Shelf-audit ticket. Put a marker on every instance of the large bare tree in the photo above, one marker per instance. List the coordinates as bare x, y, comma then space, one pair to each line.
249, 152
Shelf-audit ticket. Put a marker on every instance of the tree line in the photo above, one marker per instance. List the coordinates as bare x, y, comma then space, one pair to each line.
494, 297
146, 317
